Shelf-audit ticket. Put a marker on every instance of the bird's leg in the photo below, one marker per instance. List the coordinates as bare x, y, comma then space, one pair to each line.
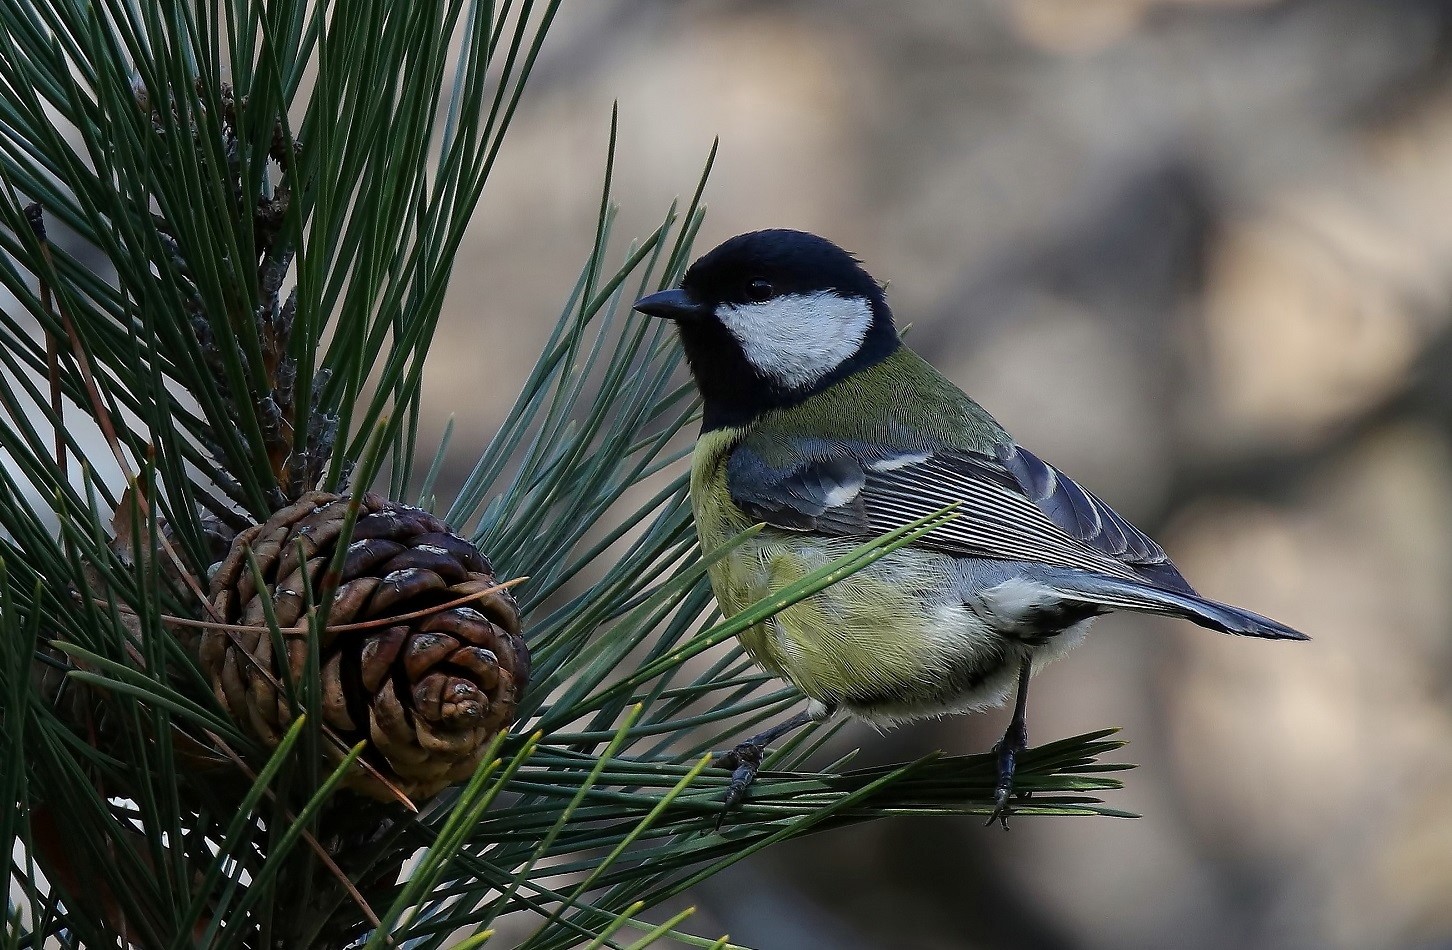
746, 758
1014, 741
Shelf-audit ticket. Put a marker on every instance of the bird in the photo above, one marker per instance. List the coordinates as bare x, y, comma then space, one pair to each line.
820, 425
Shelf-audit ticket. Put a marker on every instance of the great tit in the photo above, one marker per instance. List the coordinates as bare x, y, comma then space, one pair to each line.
821, 424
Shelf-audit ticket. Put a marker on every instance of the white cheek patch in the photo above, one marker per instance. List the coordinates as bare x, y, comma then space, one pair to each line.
798, 338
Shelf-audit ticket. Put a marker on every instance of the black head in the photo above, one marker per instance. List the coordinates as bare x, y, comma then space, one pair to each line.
771, 317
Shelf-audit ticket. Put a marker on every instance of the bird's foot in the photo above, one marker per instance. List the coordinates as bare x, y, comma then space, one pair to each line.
1014, 741
744, 761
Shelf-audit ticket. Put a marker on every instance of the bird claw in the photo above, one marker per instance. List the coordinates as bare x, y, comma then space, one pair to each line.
1001, 807
744, 761
1014, 741
1002, 804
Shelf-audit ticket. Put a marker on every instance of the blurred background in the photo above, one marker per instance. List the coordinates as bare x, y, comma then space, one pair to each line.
1198, 253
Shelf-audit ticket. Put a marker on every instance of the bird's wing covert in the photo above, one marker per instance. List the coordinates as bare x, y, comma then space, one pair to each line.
1009, 507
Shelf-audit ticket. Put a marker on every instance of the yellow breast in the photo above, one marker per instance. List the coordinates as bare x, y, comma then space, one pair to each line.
877, 632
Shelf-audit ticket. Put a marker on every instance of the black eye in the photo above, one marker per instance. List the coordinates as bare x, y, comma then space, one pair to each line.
759, 290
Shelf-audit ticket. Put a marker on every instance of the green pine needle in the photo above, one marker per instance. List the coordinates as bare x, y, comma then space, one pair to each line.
228, 231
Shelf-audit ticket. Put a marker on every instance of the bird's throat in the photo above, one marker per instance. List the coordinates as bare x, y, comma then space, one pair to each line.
735, 392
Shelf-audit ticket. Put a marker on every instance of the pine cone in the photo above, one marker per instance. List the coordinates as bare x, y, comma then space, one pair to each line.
427, 693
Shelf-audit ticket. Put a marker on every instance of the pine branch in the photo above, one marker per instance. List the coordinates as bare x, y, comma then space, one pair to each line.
277, 193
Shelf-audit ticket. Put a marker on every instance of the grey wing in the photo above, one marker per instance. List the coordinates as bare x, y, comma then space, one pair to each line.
1010, 507
1083, 515
803, 498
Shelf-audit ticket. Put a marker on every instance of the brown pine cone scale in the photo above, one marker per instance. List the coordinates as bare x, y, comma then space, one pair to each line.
427, 693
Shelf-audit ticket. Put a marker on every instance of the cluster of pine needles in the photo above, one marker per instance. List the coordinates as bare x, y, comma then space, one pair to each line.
226, 233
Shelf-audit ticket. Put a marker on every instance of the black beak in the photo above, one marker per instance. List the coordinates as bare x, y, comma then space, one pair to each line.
669, 305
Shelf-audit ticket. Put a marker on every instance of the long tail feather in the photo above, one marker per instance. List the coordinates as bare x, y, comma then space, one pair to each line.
1127, 595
